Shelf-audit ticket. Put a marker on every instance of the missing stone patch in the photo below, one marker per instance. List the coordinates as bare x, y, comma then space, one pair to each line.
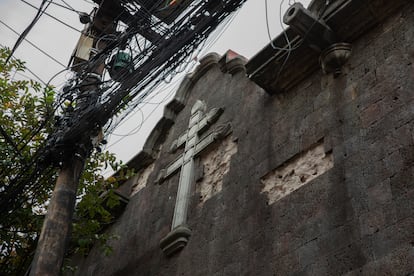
297, 172
140, 180
216, 165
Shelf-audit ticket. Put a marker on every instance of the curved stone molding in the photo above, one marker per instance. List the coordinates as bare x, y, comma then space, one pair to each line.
233, 63
175, 240
178, 102
180, 98
206, 63
157, 135
333, 58
236, 65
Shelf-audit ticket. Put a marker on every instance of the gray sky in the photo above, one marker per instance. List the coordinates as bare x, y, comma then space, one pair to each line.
246, 35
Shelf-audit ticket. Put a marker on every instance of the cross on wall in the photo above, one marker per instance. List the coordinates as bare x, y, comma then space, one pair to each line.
199, 123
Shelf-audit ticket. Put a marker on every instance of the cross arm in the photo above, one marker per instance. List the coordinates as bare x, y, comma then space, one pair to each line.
172, 168
218, 133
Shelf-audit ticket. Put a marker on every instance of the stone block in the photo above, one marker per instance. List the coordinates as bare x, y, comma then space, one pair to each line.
336, 238
233, 269
397, 262
404, 206
308, 253
379, 195
345, 259
401, 182
394, 236
371, 222
285, 265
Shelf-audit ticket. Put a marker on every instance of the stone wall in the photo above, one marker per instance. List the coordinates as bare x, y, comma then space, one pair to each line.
357, 218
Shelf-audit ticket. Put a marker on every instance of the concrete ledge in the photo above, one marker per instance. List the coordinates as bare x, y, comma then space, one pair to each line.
278, 70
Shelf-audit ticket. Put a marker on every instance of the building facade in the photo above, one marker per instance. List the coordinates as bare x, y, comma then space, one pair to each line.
276, 166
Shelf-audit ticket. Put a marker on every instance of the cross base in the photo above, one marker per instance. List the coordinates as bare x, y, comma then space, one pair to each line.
176, 240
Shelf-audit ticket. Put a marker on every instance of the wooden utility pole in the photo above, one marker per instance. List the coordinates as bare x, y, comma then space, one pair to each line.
165, 52
56, 227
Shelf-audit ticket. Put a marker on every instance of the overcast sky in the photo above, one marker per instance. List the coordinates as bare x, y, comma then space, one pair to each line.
246, 35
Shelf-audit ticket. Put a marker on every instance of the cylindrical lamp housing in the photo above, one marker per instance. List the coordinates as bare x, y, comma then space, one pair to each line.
317, 34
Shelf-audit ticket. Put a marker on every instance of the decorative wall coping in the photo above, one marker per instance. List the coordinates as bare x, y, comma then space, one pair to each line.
278, 70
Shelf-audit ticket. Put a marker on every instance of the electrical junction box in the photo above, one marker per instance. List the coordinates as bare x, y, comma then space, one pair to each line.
82, 51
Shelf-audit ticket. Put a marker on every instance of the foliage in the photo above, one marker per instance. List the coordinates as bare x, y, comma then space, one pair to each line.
26, 112
23, 105
98, 199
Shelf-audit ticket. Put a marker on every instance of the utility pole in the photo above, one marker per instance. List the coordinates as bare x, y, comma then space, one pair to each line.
53, 240
71, 143
51, 247
56, 228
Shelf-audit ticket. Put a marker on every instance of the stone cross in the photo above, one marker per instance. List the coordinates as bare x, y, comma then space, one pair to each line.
193, 145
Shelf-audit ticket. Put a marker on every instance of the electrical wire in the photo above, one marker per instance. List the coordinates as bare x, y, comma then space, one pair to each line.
53, 17
141, 102
221, 32
36, 130
268, 28
90, 2
39, 13
146, 83
32, 44
287, 41
35, 75
19, 180
134, 131
289, 48
69, 6
152, 64
65, 7
28, 70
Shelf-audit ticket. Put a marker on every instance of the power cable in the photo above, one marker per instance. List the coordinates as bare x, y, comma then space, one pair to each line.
149, 79
221, 32
268, 28
135, 129
35, 46
35, 75
28, 70
66, 7
18, 73
287, 41
90, 2
170, 87
39, 13
53, 17
157, 61
69, 6
289, 48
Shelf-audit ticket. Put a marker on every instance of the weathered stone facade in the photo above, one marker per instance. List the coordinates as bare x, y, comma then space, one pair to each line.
354, 218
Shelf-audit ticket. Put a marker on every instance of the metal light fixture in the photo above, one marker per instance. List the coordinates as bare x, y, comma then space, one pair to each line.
84, 18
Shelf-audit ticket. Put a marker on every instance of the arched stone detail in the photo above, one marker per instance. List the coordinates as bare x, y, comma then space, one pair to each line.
232, 63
